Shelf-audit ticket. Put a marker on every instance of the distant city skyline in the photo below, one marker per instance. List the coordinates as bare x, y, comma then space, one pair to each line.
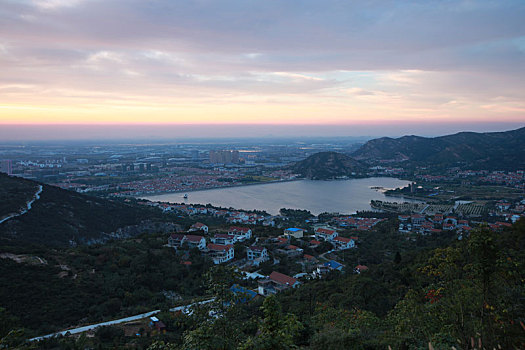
332, 67
174, 132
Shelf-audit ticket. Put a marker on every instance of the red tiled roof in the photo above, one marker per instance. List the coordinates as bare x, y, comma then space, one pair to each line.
194, 238
177, 236
325, 231
361, 267
238, 229
342, 239
219, 247
282, 278
308, 257
503, 224
224, 235
313, 241
198, 224
256, 248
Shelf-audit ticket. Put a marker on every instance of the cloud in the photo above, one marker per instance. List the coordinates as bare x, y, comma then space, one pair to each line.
383, 57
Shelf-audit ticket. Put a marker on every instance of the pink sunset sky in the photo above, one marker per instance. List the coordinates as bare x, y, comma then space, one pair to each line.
94, 68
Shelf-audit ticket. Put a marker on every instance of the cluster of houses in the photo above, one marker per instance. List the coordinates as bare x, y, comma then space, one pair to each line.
426, 225
278, 282
509, 211
332, 236
514, 179
231, 216
358, 223
220, 249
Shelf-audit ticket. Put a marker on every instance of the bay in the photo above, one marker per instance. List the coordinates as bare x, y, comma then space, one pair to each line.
341, 196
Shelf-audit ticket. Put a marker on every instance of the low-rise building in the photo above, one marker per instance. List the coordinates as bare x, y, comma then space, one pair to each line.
329, 266
175, 240
223, 238
199, 226
325, 234
342, 243
294, 232
241, 233
257, 254
360, 268
275, 283
220, 253
193, 241
417, 219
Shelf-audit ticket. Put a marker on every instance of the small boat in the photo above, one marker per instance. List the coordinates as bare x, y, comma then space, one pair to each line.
185, 196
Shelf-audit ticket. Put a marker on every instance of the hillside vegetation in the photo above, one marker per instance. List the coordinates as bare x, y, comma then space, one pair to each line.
14, 194
464, 294
328, 165
61, 217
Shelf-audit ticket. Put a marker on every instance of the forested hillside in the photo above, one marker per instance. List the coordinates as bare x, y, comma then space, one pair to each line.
493, 151
61, 217
328, 165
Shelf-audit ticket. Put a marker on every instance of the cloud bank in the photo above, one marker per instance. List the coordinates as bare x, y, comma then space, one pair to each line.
306, 62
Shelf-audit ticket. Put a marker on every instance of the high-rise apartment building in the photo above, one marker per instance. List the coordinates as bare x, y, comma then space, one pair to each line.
6, 166
224, 157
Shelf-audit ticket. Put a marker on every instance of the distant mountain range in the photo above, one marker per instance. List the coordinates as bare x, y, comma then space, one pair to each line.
468, 150
493, 150
60, 217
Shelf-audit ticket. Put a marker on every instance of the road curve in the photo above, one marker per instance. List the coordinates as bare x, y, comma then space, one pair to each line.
36, 197
120, 320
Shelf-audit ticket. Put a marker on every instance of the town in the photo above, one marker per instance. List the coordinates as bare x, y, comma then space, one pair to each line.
264, 242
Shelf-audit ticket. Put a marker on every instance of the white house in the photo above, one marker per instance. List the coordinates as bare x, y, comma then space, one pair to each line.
342, 243
221, 253
193, 241
241, 233
417, 219
276, 283
294, 232
199, 226
176, 240
326, 234
223, 238
257, 254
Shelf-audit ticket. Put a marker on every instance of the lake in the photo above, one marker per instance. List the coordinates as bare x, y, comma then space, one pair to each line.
342, 196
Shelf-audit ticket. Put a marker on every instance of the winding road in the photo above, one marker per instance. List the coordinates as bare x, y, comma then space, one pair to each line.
29, 204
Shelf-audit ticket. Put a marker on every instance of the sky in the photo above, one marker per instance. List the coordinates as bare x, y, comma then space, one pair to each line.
94, 68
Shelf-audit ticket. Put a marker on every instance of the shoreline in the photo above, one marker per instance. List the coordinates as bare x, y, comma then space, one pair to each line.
213, 188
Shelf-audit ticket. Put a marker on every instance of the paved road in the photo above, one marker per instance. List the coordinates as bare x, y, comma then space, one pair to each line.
36, 196
121, 320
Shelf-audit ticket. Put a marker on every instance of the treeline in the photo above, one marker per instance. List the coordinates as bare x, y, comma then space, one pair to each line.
95, 283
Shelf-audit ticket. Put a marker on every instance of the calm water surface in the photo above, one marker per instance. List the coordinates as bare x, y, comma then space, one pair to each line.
342, 196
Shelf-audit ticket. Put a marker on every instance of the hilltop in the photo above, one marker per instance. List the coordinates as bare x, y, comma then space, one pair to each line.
60, 217
328, 165
494, 150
